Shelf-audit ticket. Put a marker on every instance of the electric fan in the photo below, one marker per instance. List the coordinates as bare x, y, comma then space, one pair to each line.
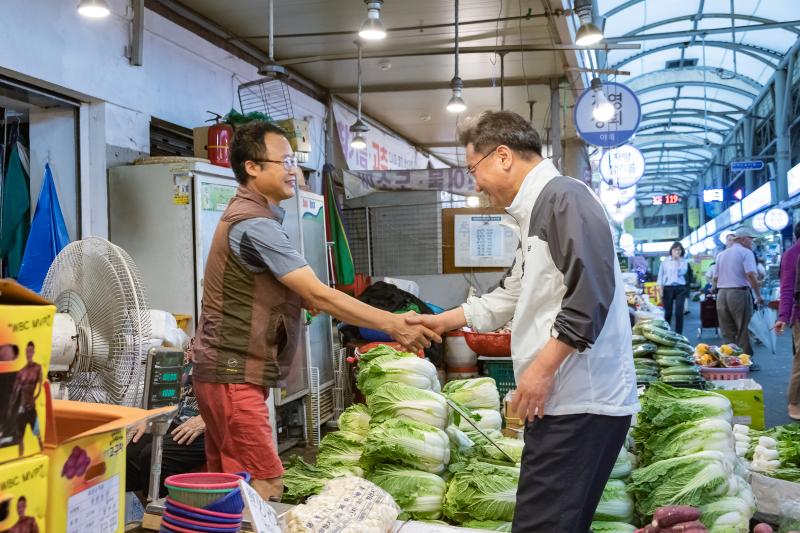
101, 331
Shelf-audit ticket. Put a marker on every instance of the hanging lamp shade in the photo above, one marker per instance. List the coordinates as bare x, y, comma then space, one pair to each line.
588, 34
94, 8
372, 29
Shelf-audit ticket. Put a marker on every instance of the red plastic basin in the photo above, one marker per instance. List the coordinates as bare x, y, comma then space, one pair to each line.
489, 344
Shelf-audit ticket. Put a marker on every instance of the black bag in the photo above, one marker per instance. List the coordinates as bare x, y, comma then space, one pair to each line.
390, 298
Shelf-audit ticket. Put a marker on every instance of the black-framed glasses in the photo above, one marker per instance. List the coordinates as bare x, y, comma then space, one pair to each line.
471, 170
288, 162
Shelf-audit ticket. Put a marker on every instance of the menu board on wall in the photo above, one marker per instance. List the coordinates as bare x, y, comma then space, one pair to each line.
483, 241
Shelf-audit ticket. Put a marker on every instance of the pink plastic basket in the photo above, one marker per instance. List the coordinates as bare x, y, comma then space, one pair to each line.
724, 374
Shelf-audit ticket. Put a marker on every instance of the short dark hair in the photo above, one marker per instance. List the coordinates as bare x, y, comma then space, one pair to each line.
22, 499
31, 345
495, 128
248, 145
679, 246
797, 231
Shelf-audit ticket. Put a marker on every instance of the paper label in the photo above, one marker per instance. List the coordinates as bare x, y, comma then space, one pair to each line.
95, 509
181, 188
262, 516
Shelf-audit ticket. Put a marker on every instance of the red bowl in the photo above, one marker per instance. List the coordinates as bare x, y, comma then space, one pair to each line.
489, 344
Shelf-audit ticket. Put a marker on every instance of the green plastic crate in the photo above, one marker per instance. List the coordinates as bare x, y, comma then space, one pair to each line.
503, 374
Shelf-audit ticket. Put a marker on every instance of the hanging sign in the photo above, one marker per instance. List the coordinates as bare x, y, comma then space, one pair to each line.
622, 125
666, 199
622, 167
793, 180
712, 195
739, 166
759, 224
453, 180
776, 219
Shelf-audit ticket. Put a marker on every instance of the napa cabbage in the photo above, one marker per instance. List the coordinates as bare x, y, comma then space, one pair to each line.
484, 419
340, 448
397, 400
355, 419
301, 480
481, 491
406, 442
710, 434
612, 527
419, 494
666, 406
616, 505
474, 393
412, 371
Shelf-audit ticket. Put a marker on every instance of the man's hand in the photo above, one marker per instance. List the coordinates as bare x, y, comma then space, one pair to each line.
187, 432
412, 337
138, 430
779, 326
533, 390
432, 322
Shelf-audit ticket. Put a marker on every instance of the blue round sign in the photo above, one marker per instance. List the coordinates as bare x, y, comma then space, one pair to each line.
619, 128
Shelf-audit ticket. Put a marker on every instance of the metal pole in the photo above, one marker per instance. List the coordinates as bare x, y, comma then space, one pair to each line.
137, 36
783, 144
158, 427
369, 242
555, 124
502, 81
456, 36
748, 127
271, 36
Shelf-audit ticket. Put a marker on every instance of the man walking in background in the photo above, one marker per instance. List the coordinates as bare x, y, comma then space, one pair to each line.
789, 313
735, 276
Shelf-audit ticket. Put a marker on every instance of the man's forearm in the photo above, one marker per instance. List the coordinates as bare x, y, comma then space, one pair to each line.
352, 311
754, 283
552, 355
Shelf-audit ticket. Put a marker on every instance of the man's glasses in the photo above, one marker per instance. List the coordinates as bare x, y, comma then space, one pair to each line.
471, 170
288, 162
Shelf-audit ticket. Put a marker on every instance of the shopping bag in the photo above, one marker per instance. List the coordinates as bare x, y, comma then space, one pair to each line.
761, 327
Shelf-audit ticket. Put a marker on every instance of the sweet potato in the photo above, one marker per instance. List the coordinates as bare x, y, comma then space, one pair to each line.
694, 526
674, 514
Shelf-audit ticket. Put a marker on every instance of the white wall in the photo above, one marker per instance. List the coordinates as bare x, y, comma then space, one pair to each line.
182, 76
52, 138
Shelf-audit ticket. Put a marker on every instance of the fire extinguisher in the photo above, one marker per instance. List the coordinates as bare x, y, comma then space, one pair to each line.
219, 140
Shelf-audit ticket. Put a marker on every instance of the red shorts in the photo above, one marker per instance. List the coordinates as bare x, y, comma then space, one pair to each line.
238, 436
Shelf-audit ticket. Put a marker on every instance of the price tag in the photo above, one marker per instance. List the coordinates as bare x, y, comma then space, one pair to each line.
262, 516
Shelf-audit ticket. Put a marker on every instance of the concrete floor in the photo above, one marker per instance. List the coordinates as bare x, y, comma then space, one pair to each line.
775, 368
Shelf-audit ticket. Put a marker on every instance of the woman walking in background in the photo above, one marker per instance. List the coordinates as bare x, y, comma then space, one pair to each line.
673, 284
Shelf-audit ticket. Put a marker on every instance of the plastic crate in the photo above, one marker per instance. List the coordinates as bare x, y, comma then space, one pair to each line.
503, 374
724, 374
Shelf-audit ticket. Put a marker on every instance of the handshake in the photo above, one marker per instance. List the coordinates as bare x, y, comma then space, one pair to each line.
416, 332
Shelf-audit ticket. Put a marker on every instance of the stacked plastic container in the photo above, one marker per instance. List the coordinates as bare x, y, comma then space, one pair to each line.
204, 503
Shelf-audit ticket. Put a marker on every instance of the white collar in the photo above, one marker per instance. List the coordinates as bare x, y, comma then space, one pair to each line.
521, 205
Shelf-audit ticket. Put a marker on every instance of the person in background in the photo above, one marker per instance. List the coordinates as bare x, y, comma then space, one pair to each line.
576, 385
711, 273
27, 388
730, 238
255, 287
183, 448
25, 524
673, 284
735, 279
789, 314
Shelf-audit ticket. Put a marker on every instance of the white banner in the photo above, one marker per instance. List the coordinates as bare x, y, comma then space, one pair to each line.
383, 151
453, 180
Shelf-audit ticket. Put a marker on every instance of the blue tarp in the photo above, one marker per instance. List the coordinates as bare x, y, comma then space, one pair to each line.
47, 237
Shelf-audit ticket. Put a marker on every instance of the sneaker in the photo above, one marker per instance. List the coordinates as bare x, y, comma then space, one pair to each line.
755, 368
794, 411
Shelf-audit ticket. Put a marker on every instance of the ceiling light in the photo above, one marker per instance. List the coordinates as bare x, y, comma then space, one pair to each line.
602, 110
456, 103
95, 9
473, 201
588, 33
358, 127
372, 29
385, 64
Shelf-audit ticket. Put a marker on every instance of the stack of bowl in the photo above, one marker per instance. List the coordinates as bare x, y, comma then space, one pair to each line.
204, 502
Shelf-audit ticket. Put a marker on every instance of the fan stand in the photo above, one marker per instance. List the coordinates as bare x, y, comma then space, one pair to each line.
158, 427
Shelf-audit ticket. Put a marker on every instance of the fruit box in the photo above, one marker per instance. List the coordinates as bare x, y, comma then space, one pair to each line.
23, 494
747, 400
86, 446
297, 133
26, 338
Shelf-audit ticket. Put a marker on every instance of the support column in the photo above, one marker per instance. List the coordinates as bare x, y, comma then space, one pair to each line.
699, 200
685, 217
555, 123
748, 126
783, 145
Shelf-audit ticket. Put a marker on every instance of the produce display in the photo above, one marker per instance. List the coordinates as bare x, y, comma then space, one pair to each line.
727, 356
685, 443
407, 441
679, 470
660, 354
774, 452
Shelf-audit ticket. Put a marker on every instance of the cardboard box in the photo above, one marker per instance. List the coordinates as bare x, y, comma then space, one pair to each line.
200, 136
747, 399
26, 338
297, 133
86, 446
512, 420
23, 494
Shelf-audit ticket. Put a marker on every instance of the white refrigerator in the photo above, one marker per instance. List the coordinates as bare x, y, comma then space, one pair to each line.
164, 215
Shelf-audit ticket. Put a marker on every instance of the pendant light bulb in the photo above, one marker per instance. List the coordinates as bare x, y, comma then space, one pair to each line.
588, 33
602, 110
372, 29
358, 142
456, 103
95, 9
